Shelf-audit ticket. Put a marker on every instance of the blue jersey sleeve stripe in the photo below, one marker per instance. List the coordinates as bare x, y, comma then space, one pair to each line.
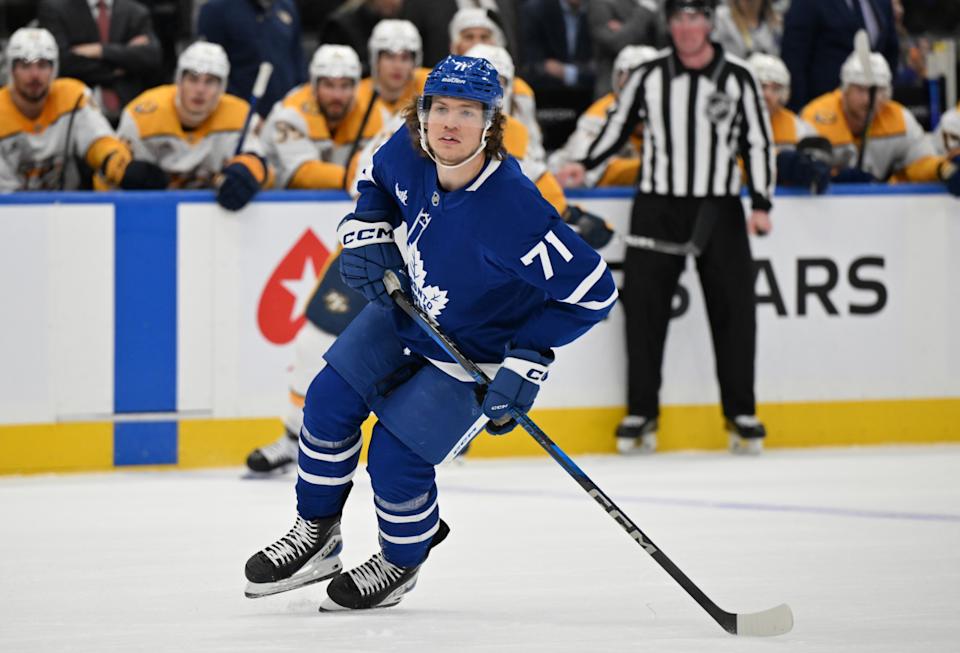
589, 282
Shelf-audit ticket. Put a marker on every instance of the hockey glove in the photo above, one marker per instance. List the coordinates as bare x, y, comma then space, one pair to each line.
239, 181
514, 387
592, 228
798, 169
853, 176
143, 175
368, 252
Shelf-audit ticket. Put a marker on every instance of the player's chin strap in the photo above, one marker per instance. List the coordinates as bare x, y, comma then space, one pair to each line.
426, 148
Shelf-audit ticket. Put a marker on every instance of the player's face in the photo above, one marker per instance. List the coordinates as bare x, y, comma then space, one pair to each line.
772, 93
394, 69
199, 94
454, 128
690, 31
32, 79
856, 105
470, 37
334, 97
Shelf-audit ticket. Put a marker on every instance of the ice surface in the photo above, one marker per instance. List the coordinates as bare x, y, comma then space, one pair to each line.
864, 544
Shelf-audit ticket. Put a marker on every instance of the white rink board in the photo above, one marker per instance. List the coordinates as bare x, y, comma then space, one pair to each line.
903, 351
57, 299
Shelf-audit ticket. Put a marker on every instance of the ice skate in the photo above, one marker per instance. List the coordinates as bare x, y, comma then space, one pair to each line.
746, 435
308, 554
377, 583
637, 435
276, 456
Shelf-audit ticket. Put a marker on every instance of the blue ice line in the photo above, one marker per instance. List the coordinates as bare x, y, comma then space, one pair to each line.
725, 505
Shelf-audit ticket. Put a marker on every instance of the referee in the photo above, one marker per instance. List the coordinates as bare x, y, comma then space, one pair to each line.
700, 109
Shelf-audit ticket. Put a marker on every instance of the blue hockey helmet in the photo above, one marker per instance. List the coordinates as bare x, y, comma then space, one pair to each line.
468, 78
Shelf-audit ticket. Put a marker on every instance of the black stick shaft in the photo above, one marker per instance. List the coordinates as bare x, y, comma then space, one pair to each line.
727, 620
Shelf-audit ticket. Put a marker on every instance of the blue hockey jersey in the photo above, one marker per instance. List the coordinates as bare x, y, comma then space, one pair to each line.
491, 263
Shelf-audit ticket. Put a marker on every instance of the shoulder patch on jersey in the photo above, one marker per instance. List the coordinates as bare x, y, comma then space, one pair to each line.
154, 111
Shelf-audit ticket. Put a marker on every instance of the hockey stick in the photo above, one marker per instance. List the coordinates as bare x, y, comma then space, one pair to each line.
702, 229
259, 88
775, 621
861, 45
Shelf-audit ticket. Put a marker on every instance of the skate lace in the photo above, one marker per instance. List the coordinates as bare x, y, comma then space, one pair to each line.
298, 541
375, 574
279, 450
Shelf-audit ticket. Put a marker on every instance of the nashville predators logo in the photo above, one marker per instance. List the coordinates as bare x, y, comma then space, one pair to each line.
825, 118
146, 107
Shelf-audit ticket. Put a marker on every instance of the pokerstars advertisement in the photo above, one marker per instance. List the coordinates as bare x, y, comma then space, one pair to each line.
244, 284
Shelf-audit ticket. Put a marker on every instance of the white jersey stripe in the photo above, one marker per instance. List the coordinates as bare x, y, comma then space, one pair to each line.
588, 283
412, 539
406, 519
331, 457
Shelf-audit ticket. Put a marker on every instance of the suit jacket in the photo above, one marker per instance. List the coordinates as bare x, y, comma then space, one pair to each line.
642, 25
72, 23
818, 38
545, 37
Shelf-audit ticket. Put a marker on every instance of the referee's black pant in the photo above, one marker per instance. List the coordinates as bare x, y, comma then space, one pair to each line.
726, 275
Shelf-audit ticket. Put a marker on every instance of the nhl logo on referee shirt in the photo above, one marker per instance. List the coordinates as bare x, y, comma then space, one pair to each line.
719, 107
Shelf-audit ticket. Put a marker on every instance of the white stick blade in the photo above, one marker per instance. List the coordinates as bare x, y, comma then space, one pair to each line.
775, 621
263, 78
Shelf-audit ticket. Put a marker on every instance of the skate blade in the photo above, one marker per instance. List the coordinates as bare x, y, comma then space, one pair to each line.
329, 605
636, 446
257, 590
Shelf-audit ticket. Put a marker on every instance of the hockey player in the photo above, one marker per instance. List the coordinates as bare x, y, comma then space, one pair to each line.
897, 149
189, 130
312, 133
493, 265
333, 305
619, 170
797, 164
396, 54
45, 122
471, 26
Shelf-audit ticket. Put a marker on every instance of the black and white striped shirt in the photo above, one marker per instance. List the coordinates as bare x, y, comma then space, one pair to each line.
695, 124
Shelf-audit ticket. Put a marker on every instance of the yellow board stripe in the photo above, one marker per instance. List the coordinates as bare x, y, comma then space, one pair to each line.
222, 442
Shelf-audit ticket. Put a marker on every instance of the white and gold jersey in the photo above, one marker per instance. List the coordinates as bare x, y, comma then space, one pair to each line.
301, 146
897, 147
524, 109
192, 157
33, 153
618, 170
789, 129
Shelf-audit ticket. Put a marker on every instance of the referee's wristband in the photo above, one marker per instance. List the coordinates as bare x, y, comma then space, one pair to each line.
760, 203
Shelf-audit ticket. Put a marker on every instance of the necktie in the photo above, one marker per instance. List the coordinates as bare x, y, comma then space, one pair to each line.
111, 101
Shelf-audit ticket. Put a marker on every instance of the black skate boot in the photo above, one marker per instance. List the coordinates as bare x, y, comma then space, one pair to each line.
377, 583
637, 435
277, 455
308, 554
746, 435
